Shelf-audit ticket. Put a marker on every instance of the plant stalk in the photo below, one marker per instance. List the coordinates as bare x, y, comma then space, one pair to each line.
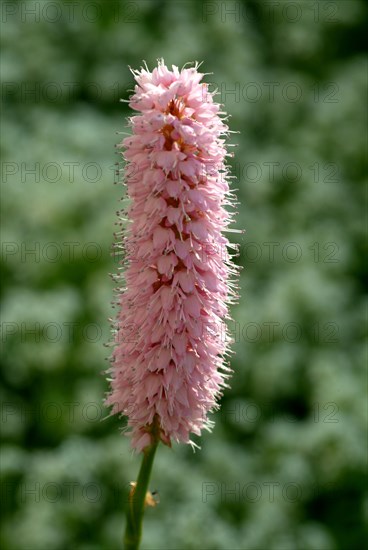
133, 532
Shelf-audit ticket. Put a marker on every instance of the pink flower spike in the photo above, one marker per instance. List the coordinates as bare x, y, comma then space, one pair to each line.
168, 366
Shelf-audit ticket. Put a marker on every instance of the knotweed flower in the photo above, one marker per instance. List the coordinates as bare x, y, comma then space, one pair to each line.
170, 342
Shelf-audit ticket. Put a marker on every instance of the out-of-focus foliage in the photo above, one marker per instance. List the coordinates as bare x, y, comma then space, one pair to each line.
284, 466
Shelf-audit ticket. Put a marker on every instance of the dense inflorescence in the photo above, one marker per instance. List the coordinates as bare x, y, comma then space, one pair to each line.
170, 338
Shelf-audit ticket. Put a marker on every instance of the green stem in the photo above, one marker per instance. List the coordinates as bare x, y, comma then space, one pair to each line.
136, 505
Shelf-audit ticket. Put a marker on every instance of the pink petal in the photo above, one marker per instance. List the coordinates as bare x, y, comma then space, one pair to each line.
192, 306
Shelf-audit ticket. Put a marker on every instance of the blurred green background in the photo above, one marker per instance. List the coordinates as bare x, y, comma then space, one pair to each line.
285, 465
